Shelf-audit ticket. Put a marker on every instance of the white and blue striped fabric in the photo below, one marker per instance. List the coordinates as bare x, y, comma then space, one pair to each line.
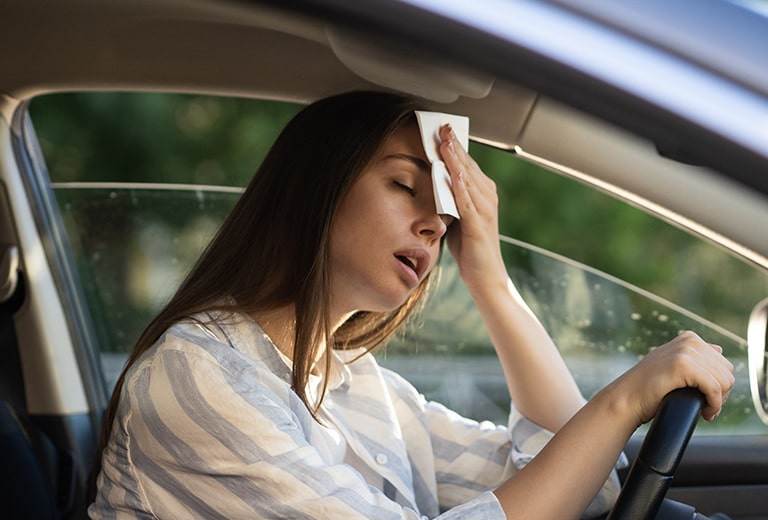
208, 427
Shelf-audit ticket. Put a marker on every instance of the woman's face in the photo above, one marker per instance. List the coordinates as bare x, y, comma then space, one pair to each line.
386, 235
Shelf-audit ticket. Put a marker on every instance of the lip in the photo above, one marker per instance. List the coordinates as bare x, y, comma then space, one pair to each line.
414, 263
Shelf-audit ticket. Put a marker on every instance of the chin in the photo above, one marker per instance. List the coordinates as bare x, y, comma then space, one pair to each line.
389, 303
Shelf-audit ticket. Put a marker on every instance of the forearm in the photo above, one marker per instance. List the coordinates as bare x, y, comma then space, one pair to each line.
565, 476
538, 380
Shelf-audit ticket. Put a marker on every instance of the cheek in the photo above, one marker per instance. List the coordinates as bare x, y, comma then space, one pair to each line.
360, 203
438, 254
355, 229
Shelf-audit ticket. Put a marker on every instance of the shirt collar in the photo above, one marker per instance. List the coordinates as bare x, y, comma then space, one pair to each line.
247, 336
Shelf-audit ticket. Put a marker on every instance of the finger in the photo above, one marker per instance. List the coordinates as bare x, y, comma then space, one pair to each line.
722, 368
711, 372
720, 382
463, 196
462, 191
460, 158
708, 384
726, 378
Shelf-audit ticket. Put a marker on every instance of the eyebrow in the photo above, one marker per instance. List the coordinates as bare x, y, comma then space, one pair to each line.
418, 161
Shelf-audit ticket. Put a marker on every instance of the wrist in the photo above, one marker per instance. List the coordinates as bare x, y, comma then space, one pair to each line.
618, 407
492, 289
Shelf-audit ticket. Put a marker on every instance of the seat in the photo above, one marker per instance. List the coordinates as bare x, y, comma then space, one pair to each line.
36, 478
24, 489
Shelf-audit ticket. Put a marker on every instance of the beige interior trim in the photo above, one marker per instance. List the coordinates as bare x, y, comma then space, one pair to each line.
628, 167
48, 358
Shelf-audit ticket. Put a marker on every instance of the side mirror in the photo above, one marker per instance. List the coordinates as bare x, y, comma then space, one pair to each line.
757, 345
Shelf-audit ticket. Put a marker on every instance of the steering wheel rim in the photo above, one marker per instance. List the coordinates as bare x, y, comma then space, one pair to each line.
663, 447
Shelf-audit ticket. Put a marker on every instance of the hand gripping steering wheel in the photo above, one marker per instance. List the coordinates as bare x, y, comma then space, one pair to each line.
658, 458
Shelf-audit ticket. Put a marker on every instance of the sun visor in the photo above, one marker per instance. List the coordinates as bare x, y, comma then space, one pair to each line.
407, 71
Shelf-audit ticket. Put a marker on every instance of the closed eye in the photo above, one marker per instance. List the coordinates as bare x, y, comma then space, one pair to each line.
410, 191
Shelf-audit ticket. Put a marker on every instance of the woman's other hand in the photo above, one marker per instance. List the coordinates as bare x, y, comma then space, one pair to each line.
687, 360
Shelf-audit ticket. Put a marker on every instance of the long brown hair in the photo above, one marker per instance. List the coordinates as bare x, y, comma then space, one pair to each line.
272, 250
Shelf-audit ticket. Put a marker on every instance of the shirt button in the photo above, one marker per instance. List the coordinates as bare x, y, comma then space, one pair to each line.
424, 517
381, 459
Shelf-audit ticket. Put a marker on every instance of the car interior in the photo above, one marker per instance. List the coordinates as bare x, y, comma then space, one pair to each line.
564, 120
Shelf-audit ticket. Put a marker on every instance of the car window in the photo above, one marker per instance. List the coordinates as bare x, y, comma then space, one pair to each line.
132, 244
143, 180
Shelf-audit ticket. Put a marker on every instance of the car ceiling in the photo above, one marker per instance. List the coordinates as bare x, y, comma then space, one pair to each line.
253, 49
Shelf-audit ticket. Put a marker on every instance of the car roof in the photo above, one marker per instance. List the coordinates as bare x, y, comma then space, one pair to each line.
619, 94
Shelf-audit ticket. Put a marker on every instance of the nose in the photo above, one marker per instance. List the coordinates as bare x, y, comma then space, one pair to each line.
433, 226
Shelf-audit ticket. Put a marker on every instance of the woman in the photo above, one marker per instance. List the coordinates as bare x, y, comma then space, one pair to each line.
252, 394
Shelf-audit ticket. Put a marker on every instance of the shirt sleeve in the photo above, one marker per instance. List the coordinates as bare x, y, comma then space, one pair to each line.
210, 438
529, 439
471, 457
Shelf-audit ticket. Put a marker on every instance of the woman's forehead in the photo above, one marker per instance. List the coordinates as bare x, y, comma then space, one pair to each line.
407, 141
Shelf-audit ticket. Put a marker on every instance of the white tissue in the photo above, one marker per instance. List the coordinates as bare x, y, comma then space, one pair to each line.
429, 126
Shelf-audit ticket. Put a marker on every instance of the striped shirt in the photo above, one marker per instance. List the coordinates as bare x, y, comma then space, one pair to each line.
208, 427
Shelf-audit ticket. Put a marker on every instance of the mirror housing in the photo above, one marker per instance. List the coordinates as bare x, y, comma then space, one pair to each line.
9, 266
757, 343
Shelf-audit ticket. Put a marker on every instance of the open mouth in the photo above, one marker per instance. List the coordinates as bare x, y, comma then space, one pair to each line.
414, 261
407, 261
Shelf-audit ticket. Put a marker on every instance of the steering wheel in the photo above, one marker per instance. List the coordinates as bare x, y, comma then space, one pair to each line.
658, 458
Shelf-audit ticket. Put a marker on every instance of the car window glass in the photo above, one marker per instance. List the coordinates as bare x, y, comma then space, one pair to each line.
143, 180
